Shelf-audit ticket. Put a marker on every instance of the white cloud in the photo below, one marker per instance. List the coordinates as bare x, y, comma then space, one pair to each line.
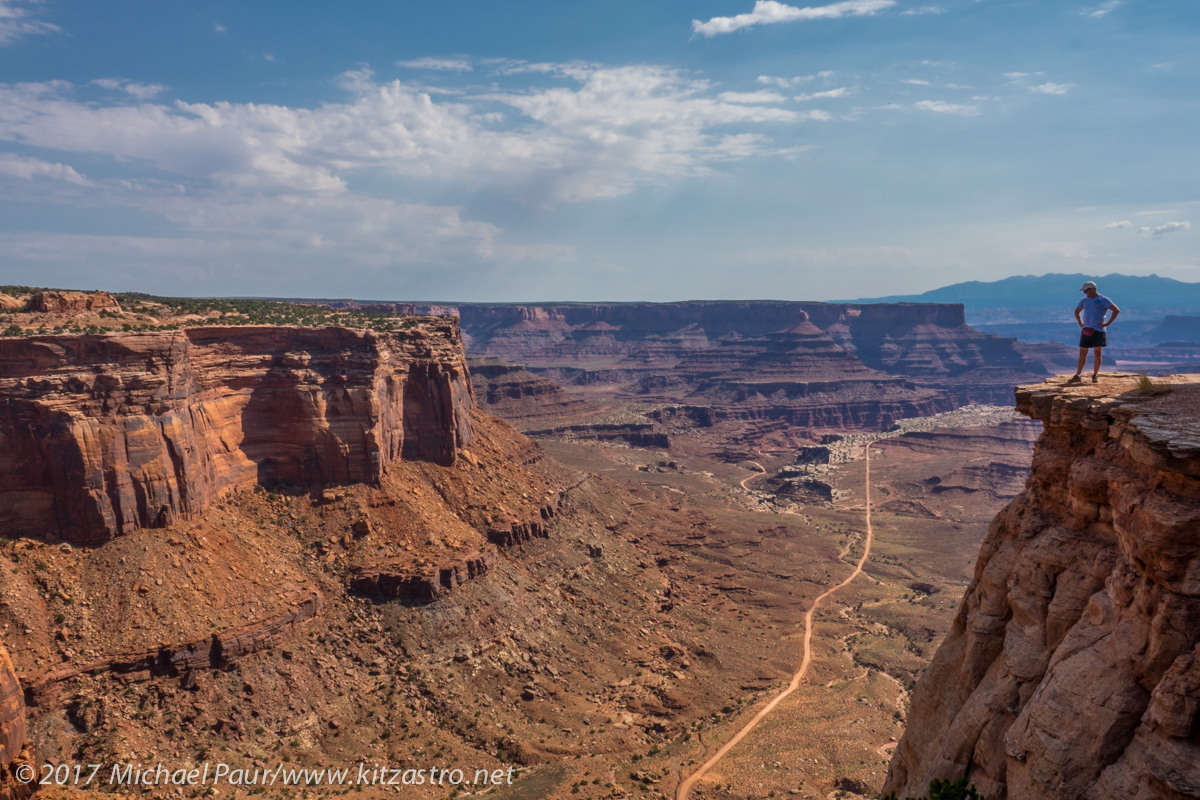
442, 64
611, 131
1166, 227
769, 12
1102, 9
947, 108
784, 83
909, 12
142, 91
839, 92
28, 168
1150, 230
917, 82
762, 96
1052, 88
15, 22
219, 28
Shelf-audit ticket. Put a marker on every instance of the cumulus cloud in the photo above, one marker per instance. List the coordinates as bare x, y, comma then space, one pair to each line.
142, 91
1052, 88
28, 168
769, 12
1166, 227
841, 91
16, 22
1102, 9
940, 107
272, 184
442, 64
1119, 224
920, 10
609, 131
917, 82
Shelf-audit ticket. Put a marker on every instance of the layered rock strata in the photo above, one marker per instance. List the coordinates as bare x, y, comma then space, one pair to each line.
51, 302
809, 365
14, 744
103, 434
424, 584
1073, 667
217, 651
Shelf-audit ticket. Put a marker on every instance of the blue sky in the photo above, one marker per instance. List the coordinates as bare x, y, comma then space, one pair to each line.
609, 151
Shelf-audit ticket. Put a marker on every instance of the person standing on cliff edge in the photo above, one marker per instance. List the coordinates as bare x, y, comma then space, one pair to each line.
1090, 315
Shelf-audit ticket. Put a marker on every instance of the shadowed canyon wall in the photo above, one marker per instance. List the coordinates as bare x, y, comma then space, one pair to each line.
107, 433
1073, 667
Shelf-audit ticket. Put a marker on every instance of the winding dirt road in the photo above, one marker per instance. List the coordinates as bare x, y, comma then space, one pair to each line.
685, 788
761, 471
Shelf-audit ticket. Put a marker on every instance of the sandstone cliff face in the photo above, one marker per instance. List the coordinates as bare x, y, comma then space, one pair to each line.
100, 435
13, 744
72, 302
1073, 667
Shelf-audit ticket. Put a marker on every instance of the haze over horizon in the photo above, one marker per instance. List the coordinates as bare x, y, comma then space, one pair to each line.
723, 149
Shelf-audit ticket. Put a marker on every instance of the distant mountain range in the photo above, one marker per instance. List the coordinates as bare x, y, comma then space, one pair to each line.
1027, 298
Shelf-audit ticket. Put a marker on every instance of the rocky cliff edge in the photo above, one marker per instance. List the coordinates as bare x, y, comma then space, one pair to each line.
103, 434
1073, 667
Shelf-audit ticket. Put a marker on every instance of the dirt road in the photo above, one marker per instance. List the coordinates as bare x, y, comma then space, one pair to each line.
761, 471
685, 788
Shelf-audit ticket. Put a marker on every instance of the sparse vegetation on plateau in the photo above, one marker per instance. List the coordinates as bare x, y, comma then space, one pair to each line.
142, 312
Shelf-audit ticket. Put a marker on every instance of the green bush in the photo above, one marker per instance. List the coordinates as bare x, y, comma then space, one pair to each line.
945, 790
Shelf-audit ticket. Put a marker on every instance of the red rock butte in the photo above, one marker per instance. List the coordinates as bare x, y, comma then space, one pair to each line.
103, 434
53, 302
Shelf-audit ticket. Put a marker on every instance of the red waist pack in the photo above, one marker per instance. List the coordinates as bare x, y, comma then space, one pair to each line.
1088, 331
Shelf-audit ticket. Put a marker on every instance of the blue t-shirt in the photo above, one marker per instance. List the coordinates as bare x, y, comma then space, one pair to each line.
1093, 310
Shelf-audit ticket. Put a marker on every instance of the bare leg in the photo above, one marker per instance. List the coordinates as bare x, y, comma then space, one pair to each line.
1082, 360
1095, 350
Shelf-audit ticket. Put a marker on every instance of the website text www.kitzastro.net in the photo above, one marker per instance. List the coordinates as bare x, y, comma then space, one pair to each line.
211, 773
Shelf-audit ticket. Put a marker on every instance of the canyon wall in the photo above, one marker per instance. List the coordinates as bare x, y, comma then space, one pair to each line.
1073, 667
14, 745
808, 365
908, 338
103, 434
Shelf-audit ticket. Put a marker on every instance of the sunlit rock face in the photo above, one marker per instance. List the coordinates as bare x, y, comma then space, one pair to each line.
103, 434
14, 747
1073, 667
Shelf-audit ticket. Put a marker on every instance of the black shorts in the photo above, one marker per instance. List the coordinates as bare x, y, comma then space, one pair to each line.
1097, 339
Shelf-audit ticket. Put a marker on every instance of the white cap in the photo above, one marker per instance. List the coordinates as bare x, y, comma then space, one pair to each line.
1088, 285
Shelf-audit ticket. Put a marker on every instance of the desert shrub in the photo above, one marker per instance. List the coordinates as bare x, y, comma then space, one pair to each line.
1146, 385
946, 790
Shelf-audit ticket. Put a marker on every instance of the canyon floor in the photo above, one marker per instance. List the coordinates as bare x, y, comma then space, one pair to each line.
608, 659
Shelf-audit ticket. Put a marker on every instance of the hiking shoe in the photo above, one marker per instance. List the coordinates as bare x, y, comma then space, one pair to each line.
1095, 379
1075, 379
